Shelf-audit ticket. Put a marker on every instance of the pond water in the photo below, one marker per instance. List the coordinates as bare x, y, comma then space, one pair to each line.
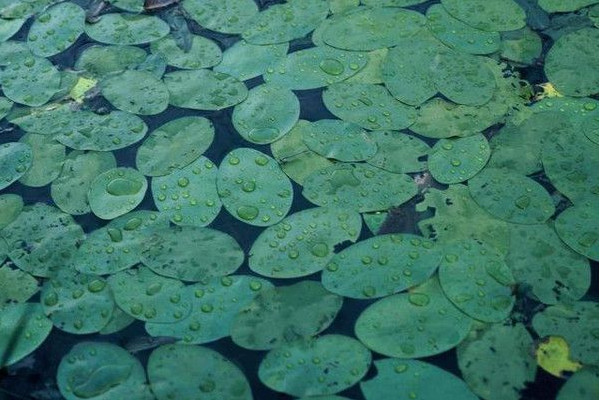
448, 154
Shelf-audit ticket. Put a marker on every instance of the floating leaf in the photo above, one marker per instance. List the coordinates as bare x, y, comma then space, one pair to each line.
225, 16
9, 27
11, 206
553, 6
31, 80
5, 106
320, 366
487, 15
15, 159
245, 60
137, 92
48, 157
127, 29
116, 192
582, 385
381, 266
285, 314
204, 53
339, 140
101, 61
523, 46
576, 226
552, 355
398, 152
15, 285
304, 242
56, 29
456, 160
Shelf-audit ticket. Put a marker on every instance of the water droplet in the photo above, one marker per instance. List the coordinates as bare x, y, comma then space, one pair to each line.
247, 213
332, 66
418, 299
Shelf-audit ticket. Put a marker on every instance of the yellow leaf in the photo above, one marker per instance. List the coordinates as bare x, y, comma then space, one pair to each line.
552, 355
81, 87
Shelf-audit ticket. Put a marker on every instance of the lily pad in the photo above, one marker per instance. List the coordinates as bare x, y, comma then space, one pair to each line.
476, 279
456, 160
31, 81
69, 190
77, 303
314, 67
412, 378
191, 253
268, 113
553, 6
225, 16
370, 106
204, 53
371, 73
150, 297
523, 46
358, 187
189, 195
538, 258
42, 239
398, 152
118, 321
116, 192
175, 373
101, 61
99, 371
326, 365
303, 242
48, 157
576, 226
5, 106
204, 89
15, 159
488, 15
253, 188
129, 5
285, 314
56, 29
419, 323
11, 206
381, 266
137, 92
583, 385
245, 60
281, 23
127, 29
577, 323
9, 27
511, 196
339, 140
216, 302
23, 328
498, 362
119, 244
15, 285
174, 145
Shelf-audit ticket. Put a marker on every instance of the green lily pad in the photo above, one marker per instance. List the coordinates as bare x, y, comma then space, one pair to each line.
577, 323
381, 266
458, 35
304, 242
253, 188
127, 29
340, 6
189, 195
582, 113
48, 158
31, 80
582, 385
339, 140
23, 328
314, 67
101, 61
538, 258
129, 5
371, 73
69, 190
458, 216
175, 373
77, 303
204, 53
285, 314
571, 63
15, 285
523, 46
245, 60
498, 362
191, 253
375, 220
370, 106
268, 113
487, 15
281, 23
511, 196
204, 89
5, 106
476, 279
391, 3
9, 27
225, 16
11, 206
369, 29
397, 378
99, 371
174, 145
56, 29
456, 160
12, 52
420, 323
22, 8
116, 192
216, 302
326, 365
119, 244
359, 187
576, 226
553, 6
15, 159
294, 157
42, 240
118, 321
137, 92
398, 152
150, 297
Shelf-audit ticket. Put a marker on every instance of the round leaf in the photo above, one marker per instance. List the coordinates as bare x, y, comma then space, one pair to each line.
116, 192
